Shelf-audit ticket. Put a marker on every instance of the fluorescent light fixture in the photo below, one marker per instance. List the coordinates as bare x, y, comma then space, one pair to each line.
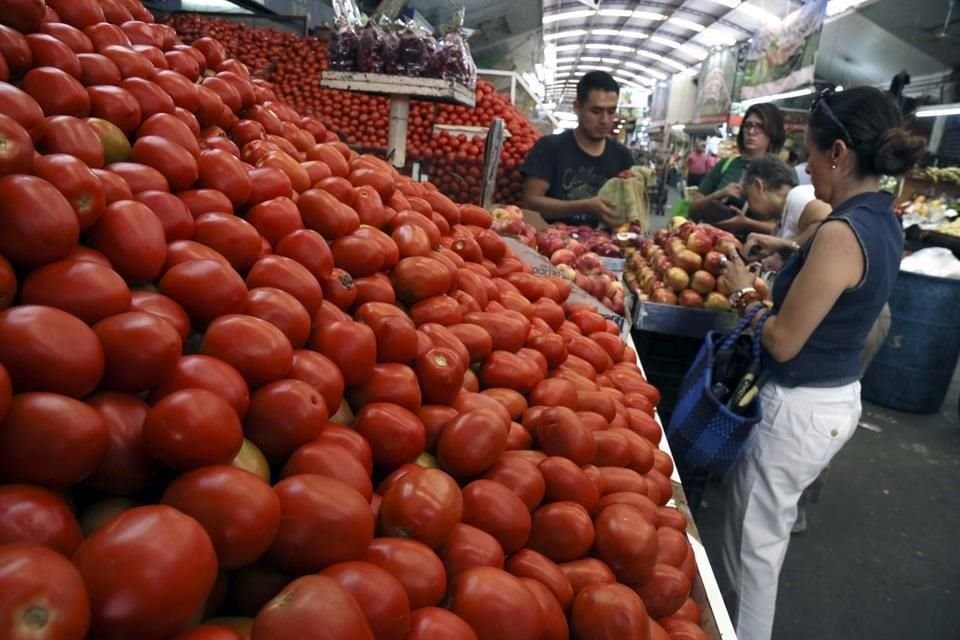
727, 3
836, 7
634, 65
694, 51
676, 65
636, 35
564, 115
689, 24
647, 15
568, 15
590, 59
665, 41
714, 38
678, 127
692, 71
939, 110
759, 13
838, 89
574, 33
567, 47
649, 54
608, 47
779, 96
562, 60
564, 68
594, 67
615, 13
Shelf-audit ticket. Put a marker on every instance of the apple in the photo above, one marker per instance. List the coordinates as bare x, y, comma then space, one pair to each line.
589, 263
582, 281
661, 236
548, 243
674, 246
676, 222
761, 286
506, 214
655, 253
515, 228
663, 296
614, 287
686, 229
562, 256
688, 260
646, 246
714, 262
727, 245
716, 302
702, 282
699, 242
662, 264
567, 272
676, 278
691, 299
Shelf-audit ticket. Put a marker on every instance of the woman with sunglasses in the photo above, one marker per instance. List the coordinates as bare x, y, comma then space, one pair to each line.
721, 199
825, 300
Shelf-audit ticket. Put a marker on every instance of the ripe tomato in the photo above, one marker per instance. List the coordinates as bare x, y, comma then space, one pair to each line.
440, 309
141, 350
47, 349
139, 177
609, 611
412, 240
627, 542
268, 183
57, 92
327, 458
562, 531
254, 347
290, 276
527, 563
42, 595
381, 597
17, 155
423, 505
472, 442
467, 547
282, 310
492, 507
175, 162
672, 546
114, 186
505, 369
396, 435
554, 620
357, 254
80, 13
520, 476
309, 249
299, 178
565, 481
192, 428
552, 347
204, 372
350, 345
173, 214
440, 375
326, 215
389, 382
97, 69
496, 605
339, 288
39, 226
132, 238
312, 602
128, 601
664, 591
320, 372
125, 468
275, 219
395, 332
586, 572
323, 522
284, 415
375, 288
417, 568
221, 171
417, 278
86, 290
31, 515
232, 237
115, 105
151, 98
432, 623
210, 495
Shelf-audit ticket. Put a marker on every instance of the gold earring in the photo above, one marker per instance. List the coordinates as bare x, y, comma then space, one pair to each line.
833, 166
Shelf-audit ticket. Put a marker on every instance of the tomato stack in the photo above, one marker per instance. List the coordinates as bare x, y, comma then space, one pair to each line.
454, 161
255, 385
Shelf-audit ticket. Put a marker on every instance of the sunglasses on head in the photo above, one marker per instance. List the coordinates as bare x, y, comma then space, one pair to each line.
820, 104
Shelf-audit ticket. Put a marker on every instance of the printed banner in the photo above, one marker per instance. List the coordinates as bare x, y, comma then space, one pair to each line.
660, 102
782, 57
715, 92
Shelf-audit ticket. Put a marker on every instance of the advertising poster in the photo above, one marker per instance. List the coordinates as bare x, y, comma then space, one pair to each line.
660, 102
715, 88
782, 57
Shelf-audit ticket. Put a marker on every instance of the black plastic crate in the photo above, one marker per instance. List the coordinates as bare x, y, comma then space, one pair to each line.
665, 359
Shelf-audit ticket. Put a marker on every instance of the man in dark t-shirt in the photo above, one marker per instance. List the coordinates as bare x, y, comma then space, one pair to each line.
564, 172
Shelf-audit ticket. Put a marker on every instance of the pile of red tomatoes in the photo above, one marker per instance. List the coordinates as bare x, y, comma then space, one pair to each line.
255, 385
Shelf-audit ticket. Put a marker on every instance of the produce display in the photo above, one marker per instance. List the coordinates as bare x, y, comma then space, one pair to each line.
254, 385
454, 162
929, 213
681, 265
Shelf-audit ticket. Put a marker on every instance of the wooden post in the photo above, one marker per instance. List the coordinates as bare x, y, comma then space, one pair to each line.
397, 136
491, 160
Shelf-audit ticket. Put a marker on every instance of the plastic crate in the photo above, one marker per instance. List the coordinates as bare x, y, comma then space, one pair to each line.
665, 359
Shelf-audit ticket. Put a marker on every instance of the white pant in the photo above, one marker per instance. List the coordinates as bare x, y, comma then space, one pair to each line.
802, 429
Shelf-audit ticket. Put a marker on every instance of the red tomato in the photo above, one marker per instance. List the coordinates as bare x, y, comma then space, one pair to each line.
432, 623
585, 572
357, 254
139, 177
268, 183
389, 382
440, 309
132, 238
31, 515
104, 34
78, 13
381, 597
417, 568
527, 563
151, 98
339, 287
505, 369
114, 186
375, 288
562, 531
492, 507
309, 249
412, 240
440, 375
627, 542
565, 481
282, 310
520, 476
325, 457
508, 332
320, 372
396, 435
174, 161
326, 215
496, 605
141, 350
664, 591
57, 92
206, 289
221, 171
275, 219
350, 345
561, 433
42, 595
554, 392
47, 349
609, 611
290, 276
471, 443
117, 106
132, 64
418, 220
156, 604
423, 505
17, 155
192, 428
254, 347
554, 620
467, 547
232, 237
204, 372
40, 226
86, 290
284, 415
125, 468
395, 332
475, 338
208, 495
312, 602
173, 214
416, 278
323, 522
201, 201
552, 347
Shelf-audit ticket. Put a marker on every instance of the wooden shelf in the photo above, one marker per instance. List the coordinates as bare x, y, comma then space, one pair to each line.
390, 85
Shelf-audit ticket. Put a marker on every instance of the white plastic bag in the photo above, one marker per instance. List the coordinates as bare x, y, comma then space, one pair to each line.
933, 261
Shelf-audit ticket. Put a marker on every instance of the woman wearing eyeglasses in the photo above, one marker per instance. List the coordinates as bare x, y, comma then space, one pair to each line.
722, 200
826, 298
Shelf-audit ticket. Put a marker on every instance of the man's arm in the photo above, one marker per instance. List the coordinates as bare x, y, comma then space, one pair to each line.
535, 197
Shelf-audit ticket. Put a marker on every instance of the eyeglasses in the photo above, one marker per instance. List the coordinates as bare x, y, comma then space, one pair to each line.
753, 126
820, 103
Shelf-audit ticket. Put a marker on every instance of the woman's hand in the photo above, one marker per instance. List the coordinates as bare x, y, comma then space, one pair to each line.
732, 190
736, 223
736, 275
760, 245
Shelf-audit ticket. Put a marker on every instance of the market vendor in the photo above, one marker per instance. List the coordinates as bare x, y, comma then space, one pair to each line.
722, 202
563, 173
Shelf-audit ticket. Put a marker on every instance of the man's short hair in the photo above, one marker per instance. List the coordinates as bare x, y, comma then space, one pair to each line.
595, 81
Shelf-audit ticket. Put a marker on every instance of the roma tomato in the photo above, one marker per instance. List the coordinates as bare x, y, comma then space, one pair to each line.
39, 225
396, 435
417, 278
116, 106
282, 310
206, 289
467, 547
492, 507
554, 620
507, 332
375, 288
664, 591
326, 215
339, 288
17, 156
115, 188
585, 572
627, 542
151, 98
565, 481
395, 332
325, 457
58, 93
561, 433
210, 495
268, 183
312, 602
440, 309
173, 214
275, 219
520, 476
201, 201
389, 382
412, 240
475, 338
140, 350
423, 505
125, 468
31, 515
139, 177
132, 238
415, 565
284, 415
350, 345
512, 401
212, 374
609, 611
42, 595
381, 597
192, 428
527, 563
290, 276
86, 290
127, 601
232, 237
432, 623
505, 369
471, 443
440, 375
254, 347
319, 372
562, 531
174, 161
323, 522
221, 171
444, 338
309, 249
357, 254
496, 605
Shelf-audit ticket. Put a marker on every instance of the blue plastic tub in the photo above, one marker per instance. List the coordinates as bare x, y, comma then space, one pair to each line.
913, 369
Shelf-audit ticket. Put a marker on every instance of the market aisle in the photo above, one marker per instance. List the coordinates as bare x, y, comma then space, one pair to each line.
879, 558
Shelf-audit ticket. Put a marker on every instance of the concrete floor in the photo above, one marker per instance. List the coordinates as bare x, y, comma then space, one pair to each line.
880, 557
